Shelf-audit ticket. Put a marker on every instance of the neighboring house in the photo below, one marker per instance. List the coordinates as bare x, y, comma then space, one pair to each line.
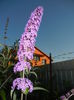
40, 58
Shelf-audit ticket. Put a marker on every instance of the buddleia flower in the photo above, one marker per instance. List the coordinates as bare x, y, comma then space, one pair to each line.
26, 50
22, 84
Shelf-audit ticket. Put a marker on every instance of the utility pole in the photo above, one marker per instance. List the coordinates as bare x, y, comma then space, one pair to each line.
50, 67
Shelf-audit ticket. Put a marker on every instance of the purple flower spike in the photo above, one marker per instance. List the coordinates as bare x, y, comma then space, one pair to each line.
26, 50
27, 41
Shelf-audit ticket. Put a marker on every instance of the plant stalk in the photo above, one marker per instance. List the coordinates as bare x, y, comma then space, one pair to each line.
21, 96
22, 92
26, 97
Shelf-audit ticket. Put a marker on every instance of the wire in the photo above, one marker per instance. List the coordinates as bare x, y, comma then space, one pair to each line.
64, 54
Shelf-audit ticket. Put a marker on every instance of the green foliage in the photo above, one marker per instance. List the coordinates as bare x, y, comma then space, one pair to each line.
6, 72
13, 95
3, 94
26, 91
33, 73
40, 88
7, 62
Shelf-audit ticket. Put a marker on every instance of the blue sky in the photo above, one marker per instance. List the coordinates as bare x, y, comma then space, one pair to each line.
56, 33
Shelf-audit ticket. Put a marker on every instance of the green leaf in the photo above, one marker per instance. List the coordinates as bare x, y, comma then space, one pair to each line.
5, 81
34, 68
26, 71
26, 91
13, 95
2, 58
3, 95
40, 88
33, 74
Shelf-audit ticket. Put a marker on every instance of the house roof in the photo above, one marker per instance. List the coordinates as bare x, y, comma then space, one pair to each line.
42, 52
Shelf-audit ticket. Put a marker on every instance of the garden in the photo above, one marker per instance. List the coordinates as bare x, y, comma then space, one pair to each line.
18, 79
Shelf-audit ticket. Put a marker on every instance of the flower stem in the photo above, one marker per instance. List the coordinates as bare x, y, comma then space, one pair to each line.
21, 96
26, 97
22, 92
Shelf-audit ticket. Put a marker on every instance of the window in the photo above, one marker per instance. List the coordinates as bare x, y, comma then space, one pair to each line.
43, 61
36, 58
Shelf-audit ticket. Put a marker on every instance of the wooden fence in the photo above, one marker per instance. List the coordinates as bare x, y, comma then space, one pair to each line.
62, 75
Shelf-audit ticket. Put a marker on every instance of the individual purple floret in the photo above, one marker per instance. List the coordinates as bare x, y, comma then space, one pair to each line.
63, 97
22, 84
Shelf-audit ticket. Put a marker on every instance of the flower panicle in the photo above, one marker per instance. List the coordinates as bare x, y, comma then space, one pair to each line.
22, 84
26, 50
